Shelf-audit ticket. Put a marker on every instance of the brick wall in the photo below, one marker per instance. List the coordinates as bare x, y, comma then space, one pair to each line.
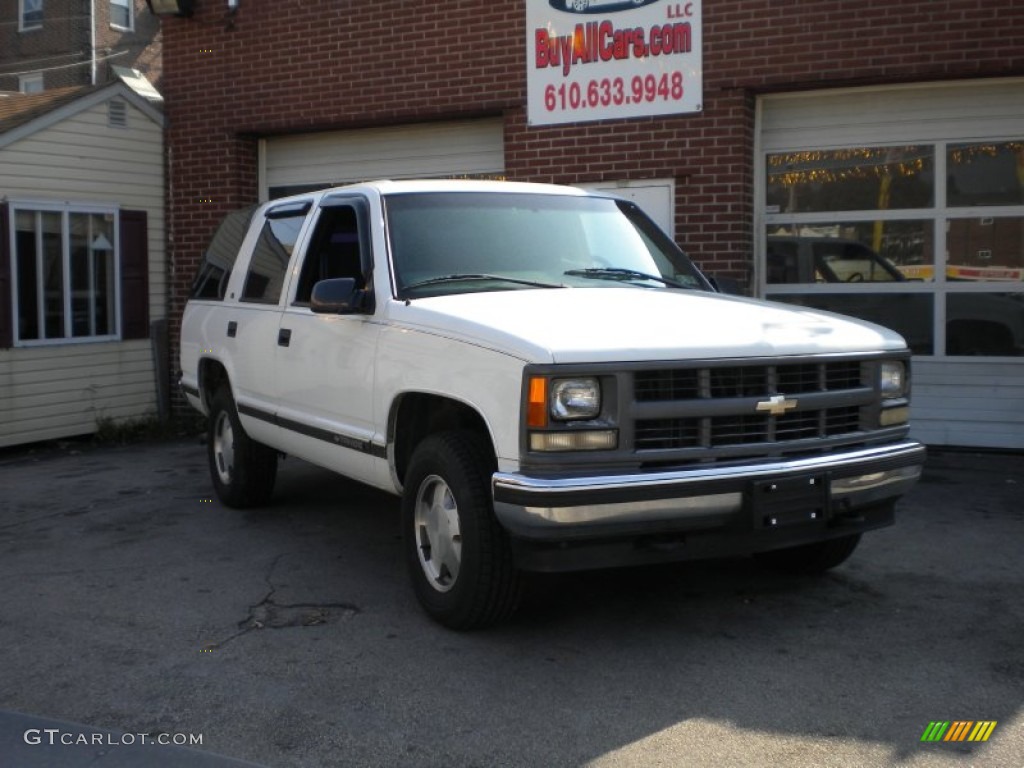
61, 49
293, 66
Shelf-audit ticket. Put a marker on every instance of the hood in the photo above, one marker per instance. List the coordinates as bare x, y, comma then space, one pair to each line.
596, 325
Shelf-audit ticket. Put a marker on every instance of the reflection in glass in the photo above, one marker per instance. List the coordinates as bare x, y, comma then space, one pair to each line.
909, 314
857, 178
985, 324
985, 174
870, 252
53, 275
28, 274
988, 248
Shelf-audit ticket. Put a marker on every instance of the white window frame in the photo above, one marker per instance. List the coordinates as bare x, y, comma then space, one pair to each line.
130, 6
23, 9
27, 83
65, 209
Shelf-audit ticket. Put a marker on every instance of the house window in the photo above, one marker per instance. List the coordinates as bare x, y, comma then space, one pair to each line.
121, 14
30, 15
925, 239
65, 274
32, 83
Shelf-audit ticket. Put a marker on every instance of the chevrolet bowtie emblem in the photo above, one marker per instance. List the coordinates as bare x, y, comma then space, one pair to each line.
776, 405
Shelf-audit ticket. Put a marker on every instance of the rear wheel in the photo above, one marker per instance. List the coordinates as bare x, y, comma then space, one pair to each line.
811, 558
243, 471
458, 555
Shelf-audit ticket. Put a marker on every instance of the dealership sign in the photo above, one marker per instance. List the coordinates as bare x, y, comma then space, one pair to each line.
612, 59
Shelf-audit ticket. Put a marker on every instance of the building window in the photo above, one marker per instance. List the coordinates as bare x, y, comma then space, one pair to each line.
30, 15
926, 239
32, 83
121, 14
65, 274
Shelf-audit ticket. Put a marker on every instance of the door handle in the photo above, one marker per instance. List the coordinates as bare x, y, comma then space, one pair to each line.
284, 337
232, 329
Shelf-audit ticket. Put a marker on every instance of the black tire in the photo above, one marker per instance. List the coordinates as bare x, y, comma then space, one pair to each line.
458, 555
811, 558
243, 471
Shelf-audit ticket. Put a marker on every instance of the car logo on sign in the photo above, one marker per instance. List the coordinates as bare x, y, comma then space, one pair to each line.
776, 405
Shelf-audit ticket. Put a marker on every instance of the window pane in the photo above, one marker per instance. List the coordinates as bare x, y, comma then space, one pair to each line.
28, 275
53, 275
78, 224
909, 314
852, 252
270, 259
985, 324
985, 174
32, 13
120, 13
990, 248
92, 274
864, 178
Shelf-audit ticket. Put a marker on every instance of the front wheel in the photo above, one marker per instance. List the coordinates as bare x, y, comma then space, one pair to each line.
243, 471
811, 558
458, 555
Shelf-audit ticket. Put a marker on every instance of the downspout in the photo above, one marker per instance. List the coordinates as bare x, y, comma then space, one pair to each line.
92, 41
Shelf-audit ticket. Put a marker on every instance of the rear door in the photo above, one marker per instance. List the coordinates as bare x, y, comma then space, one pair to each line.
251, 322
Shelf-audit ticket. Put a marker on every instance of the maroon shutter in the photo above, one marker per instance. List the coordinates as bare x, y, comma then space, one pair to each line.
134, 275
6, 310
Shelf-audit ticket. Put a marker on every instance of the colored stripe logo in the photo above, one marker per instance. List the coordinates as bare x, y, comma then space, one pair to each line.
958, 730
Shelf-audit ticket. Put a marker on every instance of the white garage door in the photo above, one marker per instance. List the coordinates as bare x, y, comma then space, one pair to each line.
906, 206
299, 163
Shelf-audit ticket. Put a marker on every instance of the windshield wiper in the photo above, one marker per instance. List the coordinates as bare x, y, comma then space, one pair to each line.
618, 273
474, 276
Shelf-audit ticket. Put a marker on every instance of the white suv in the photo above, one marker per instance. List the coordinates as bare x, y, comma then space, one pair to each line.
545, 379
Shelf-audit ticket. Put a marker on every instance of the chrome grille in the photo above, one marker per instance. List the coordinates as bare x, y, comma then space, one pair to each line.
715, 407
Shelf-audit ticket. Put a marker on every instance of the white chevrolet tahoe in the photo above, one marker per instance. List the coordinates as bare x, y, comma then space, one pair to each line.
545, 380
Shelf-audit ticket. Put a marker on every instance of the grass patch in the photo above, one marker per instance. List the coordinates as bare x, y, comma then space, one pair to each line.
145, 429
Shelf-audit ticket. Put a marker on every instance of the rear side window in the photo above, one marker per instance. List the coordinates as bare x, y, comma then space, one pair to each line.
212, 279
270, 257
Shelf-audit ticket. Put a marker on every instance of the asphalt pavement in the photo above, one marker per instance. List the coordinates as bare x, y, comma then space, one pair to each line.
137, 607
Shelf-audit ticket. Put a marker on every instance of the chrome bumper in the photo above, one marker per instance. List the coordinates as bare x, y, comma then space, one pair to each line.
695, 499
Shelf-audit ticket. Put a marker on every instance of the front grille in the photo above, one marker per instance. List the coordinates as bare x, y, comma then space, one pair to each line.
716, 407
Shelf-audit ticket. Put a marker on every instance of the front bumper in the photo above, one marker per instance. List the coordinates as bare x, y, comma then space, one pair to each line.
716, 511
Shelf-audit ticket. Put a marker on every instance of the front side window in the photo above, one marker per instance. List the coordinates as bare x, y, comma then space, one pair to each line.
338, 248
121, 13
460, 242
65, 264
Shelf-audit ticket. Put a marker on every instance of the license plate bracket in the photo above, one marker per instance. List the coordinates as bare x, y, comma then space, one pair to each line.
784, 502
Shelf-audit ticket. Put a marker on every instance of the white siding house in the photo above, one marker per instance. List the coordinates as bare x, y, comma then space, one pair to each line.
82, 262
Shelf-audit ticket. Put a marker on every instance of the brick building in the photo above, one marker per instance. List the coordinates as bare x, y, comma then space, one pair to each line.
47, 44
895, 125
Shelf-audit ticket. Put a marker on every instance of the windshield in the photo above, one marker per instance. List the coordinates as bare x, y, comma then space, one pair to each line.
460, 242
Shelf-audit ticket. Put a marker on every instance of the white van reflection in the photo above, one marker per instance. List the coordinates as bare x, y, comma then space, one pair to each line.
595, 6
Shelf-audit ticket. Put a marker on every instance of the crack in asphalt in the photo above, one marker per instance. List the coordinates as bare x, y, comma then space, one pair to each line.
267, 614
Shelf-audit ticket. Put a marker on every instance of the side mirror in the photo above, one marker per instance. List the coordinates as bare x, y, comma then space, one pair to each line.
339, 296
728, 285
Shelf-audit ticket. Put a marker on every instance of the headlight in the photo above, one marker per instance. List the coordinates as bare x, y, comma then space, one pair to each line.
894, 379
575, 399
